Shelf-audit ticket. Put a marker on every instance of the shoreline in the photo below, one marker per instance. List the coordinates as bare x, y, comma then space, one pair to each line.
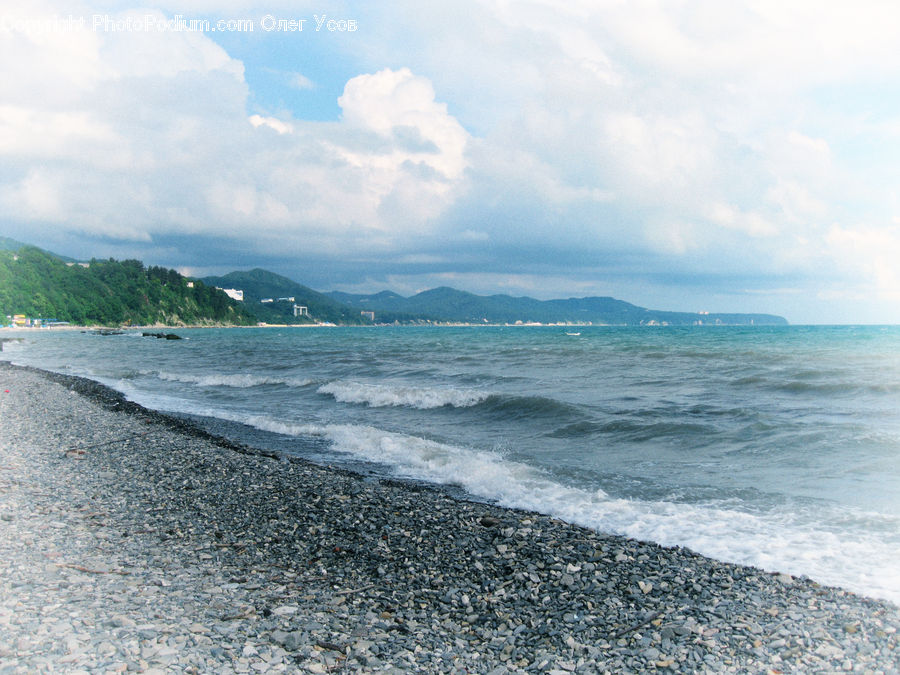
428, 324
175, 549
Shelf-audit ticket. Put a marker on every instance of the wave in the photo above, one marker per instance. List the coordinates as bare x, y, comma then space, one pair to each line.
800, 385
425, 398
385, 395
239, 380
841, 389
635, 431
518, 407
578, 430
808, 542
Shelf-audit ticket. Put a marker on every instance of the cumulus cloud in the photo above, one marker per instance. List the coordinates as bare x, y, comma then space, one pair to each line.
147, 134
751, 223
387, 167
872, 252
272, 123
398, 105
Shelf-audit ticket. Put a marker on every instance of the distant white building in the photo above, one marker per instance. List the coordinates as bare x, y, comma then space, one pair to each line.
369, 315
300, 310
233, 293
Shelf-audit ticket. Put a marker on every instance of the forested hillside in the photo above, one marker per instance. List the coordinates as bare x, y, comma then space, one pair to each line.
108, 293
259, 284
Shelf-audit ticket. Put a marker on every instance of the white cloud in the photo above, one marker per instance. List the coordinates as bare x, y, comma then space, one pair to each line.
869, 251
271, 122
300, 81
664, 154
672, 237
766, 44
149, 135
376, 178
39, 196
49, 68
795, 201
401, 106
32, 132
749, 223
154, 53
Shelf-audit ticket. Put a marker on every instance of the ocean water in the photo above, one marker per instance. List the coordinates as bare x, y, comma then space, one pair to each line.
773, 447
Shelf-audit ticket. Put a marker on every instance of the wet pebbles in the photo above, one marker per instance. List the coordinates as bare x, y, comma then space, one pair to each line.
132, 542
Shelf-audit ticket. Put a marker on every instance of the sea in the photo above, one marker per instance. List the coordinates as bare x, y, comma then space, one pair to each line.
777, 447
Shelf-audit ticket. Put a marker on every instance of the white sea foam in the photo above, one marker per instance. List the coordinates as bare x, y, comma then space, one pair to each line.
793, 542
13, 346
238, 380
385, 395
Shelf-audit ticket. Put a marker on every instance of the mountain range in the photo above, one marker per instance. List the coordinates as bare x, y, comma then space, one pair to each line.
273, 298
446, 304
449, 304
259, 284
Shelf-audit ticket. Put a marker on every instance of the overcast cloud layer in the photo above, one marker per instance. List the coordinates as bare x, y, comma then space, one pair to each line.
737, 156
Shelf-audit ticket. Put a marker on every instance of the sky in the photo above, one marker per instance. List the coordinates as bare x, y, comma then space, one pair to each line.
691, 156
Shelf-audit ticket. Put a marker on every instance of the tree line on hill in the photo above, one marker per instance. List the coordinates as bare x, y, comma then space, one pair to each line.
259, 285
108, 292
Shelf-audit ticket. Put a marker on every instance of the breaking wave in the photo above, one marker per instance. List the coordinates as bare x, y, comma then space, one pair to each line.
384, 395
238, 380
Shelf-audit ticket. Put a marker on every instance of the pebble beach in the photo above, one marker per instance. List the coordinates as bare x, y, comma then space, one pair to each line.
133, 542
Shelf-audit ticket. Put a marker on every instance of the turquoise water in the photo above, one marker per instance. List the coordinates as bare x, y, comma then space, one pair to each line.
775, 447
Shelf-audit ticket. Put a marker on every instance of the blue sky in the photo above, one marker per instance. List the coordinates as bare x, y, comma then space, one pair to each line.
740, 156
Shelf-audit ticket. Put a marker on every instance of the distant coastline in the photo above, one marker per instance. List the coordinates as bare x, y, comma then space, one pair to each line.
44, 290
20, 331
